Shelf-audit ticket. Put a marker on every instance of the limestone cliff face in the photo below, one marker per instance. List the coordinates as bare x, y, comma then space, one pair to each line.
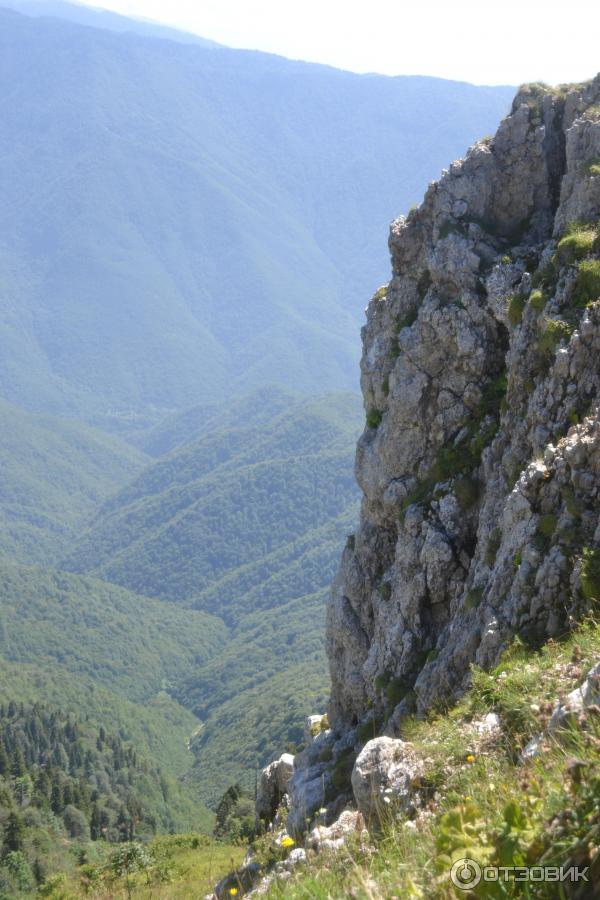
480, 462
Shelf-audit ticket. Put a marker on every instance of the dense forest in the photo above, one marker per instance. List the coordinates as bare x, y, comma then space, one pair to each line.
61, 777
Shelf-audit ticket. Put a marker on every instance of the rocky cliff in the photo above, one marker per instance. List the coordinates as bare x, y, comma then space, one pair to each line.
480, 468
480, 459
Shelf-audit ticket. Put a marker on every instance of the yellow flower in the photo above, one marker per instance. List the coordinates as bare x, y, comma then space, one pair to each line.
287, 841
470, 758
233, 891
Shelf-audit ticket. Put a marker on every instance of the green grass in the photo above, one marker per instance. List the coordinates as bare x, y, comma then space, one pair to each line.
587, 284
516, 305
576, 244
483, 802
179, 867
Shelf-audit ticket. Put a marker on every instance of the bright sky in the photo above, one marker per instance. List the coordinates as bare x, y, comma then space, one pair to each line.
500, 42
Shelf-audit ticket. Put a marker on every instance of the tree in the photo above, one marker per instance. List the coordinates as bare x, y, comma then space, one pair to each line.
14, 834
76, 823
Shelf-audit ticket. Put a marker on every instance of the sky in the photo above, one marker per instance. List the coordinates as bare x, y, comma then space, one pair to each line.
501, 42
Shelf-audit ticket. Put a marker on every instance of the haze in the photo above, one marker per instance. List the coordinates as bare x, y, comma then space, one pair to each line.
481, 43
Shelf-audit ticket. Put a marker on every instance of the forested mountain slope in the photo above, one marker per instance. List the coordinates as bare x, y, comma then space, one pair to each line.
244, 495
244, 521
55, 472
180, 224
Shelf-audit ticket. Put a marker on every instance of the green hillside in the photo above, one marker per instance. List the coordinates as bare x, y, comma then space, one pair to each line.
244, 521
181, 224
55, 472
233, 498
132, 645
160, 728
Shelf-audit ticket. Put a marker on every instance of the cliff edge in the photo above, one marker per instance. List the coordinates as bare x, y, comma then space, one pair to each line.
480, 460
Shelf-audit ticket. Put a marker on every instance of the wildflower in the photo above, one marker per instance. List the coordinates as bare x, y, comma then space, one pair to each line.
287, 841
233, 892
470, 758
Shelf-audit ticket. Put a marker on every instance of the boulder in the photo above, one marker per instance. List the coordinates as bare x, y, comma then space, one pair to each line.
334, 836
272, 785
385, 779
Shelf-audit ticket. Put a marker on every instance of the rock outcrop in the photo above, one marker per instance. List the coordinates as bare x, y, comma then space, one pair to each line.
480, 460
272, 785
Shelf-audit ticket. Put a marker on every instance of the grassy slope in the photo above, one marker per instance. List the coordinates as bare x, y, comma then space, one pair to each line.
184, 229
484, 803
54, 474
180, 867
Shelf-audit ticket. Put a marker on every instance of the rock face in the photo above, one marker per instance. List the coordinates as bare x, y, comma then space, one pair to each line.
480, 460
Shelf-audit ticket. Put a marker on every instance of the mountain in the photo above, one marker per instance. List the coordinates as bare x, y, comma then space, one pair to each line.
112, 658
105, 19
233, 503
181, 224
55, 472
242, 521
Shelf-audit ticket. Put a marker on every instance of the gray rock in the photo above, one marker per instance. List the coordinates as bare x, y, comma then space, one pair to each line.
272, 785
578, 701
385, 779
472, 508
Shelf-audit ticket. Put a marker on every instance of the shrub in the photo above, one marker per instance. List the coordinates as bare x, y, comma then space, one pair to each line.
576, 244
342, 770
587, 284
555, 331
545, 529
592, 168
590, 573
396, 691
374, 417
537, 300
473, 598
467, 492
516, 305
